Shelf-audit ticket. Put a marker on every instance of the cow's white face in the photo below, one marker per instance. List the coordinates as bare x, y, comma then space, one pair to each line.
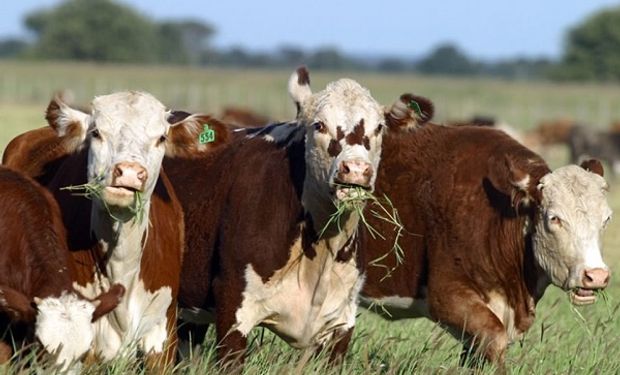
63, 326
568, 238
345, 128
126, 134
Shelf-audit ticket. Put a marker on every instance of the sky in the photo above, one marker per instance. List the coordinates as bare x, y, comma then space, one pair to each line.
486, 29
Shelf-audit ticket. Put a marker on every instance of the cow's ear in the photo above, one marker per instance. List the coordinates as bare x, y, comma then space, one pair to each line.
511, 177
594, 166
106, 302
16, 305
299, 88
70, 124
409, 111
196, 135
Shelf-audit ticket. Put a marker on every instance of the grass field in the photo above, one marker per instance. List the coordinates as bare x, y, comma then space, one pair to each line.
564, 340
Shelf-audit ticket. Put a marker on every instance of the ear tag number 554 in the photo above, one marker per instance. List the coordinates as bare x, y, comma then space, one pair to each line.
207, 135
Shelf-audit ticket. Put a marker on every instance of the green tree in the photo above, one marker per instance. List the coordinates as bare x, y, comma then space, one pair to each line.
100, 30
446, 59
184, 41
592, 49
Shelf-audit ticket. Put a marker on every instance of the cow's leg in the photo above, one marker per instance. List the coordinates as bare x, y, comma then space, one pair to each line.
161, 343
231, 342
469, 319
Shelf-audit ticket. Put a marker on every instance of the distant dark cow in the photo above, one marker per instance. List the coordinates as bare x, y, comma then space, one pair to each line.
256, 211
117, 151
585, 142
478, 120
487, 228
36, 275
551, 132
243, 117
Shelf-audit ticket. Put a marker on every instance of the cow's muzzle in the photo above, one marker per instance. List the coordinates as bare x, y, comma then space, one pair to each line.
592, 280
355, 173
127, 179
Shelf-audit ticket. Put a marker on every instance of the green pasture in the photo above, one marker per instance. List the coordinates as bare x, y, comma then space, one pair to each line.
564, 340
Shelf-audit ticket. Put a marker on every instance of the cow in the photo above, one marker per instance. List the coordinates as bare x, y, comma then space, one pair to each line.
487, 228
37, 299
586, 142
260, 246
131, 229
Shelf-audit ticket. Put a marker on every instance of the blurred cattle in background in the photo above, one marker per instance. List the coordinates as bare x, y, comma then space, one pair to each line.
615, 127
243, 117
586, 142
490, 122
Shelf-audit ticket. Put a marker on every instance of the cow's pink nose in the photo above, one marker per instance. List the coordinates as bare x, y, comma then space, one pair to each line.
355, 172
595, 278
130, 175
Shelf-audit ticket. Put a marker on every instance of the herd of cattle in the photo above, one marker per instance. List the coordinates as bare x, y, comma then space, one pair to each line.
184, 220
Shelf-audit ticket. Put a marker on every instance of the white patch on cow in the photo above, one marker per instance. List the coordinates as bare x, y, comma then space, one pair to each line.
523, 183
506, 314
571, 219
63, 326
397, 307
305, 301
268, 138
137, 319
138, 322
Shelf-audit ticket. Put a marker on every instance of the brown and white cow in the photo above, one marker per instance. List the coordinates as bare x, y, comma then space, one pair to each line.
488, 226
254, 255
36, 276
131, 232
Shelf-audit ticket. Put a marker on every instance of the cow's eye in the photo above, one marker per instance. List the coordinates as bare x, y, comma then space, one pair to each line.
162, 139
379, 128
95, 134
320, 127
555, 220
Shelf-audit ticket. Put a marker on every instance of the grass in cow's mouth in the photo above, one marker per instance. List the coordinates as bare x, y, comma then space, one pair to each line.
94, 190
382, 208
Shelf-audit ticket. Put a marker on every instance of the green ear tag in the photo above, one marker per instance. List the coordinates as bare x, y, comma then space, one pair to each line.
207, 135
415, 107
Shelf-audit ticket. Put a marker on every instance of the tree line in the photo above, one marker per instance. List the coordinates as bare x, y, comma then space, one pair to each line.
107, 31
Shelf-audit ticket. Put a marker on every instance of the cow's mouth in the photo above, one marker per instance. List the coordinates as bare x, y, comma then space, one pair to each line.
582, 296
120, 196
343, 190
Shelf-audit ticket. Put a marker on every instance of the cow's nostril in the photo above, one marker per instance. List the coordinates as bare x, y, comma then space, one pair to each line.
142, 175
118, 171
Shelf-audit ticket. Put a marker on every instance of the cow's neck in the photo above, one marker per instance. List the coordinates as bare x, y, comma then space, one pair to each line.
321, 208
121, 243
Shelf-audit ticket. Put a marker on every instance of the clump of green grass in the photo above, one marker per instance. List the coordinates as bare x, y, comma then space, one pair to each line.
94, 191
381, 208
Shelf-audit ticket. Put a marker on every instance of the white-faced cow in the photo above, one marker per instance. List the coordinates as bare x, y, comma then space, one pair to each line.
131, 229
488, 227
254, 255
37, 299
